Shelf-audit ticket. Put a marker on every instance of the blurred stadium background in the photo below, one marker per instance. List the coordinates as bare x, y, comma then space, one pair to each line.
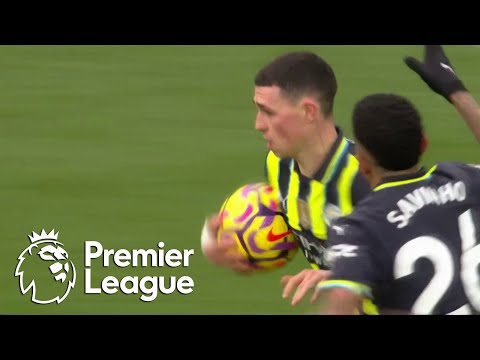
132, 145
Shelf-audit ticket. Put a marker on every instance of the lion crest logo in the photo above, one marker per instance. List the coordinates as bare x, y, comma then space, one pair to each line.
45, 269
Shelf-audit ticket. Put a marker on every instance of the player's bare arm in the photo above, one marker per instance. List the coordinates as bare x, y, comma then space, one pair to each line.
220, 252
341, 301
469, 109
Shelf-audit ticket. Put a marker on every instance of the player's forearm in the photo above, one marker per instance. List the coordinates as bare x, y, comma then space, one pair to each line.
341, 302
468, 109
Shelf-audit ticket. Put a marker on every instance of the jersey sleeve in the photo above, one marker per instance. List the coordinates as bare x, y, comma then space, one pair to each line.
352, 259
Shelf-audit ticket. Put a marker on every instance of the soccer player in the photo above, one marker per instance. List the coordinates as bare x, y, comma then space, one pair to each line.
310, 162
413, 245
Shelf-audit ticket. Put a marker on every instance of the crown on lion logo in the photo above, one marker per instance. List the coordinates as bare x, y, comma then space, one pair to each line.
43, 236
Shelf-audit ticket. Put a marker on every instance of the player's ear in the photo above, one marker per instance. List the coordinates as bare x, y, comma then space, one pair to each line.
423, 144
364, 164
365, 161
310, 109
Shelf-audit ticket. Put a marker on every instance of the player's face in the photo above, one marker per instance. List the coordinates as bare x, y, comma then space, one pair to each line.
280, 120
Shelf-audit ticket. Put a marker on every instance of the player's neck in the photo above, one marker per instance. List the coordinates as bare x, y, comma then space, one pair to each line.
382, 175
316, 149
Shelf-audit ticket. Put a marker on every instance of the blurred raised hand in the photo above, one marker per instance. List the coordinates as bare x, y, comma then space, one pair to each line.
436, 71
222, 252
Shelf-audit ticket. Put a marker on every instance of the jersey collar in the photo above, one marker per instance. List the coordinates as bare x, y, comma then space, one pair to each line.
393, 181
334, 157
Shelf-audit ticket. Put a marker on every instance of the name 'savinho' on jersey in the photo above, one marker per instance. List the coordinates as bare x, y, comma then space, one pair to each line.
423, 196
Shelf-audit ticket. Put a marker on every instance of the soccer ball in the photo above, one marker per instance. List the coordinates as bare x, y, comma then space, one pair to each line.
252, 216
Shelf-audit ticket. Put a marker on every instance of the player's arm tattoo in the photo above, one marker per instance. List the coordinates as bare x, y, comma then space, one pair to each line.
469, 109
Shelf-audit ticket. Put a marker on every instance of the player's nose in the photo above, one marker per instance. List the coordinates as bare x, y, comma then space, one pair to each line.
260, 123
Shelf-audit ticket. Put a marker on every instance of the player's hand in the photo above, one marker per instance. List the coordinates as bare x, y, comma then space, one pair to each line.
303, 282
436, 71
222, 253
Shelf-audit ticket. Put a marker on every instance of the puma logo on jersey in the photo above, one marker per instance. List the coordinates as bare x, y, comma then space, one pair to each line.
338, 229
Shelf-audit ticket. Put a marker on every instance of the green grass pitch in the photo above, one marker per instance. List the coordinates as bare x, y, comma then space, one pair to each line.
132, 145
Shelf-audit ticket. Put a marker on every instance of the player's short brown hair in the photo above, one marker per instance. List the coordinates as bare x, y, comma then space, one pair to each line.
301, 73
